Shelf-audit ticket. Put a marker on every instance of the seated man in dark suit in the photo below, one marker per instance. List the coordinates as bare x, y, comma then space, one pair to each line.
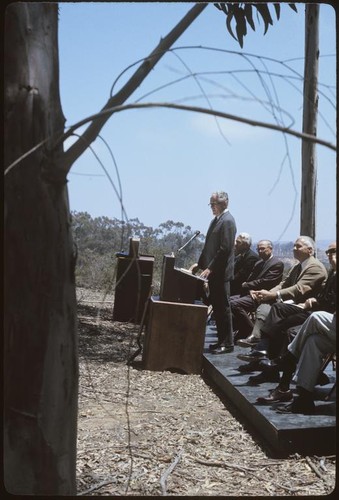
266, 273
244, 261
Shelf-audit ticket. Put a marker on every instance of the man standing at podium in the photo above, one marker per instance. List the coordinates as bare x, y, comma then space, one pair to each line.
217, 262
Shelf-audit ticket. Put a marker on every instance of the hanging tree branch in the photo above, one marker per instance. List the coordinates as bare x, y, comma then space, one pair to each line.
114, 104
197, 109
65, 167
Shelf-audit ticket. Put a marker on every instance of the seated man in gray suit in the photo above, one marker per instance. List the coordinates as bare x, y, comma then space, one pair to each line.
266, 273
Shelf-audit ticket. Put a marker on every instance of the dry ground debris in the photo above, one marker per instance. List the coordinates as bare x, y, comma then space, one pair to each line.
143, 433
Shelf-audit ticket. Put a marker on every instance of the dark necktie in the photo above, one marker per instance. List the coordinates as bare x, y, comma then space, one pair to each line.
296, 274
256, 270
212, 225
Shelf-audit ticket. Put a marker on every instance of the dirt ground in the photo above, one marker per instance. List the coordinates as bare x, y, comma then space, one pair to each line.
143, 433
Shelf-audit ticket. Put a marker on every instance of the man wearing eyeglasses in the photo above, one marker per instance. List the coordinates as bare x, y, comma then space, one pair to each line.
217, 264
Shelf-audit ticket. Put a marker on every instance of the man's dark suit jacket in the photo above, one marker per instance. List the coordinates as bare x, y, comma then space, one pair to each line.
218, 252
327, 297
265, 275
243, 265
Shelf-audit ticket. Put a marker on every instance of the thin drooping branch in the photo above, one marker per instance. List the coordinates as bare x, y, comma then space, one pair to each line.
198, 109
65, 167
138, 77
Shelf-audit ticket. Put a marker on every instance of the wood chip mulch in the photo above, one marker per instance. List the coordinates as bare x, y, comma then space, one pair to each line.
143, 433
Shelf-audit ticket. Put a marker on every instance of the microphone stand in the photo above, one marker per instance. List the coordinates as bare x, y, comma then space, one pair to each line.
189, 241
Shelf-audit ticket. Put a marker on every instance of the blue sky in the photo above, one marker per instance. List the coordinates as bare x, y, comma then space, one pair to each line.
170, 161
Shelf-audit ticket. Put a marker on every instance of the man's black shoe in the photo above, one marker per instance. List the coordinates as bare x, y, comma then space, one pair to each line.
267, 363
285, 362
222, 350
250, 341
264, 377
253, 366
276, 396
298, 405
254, 355
213, 346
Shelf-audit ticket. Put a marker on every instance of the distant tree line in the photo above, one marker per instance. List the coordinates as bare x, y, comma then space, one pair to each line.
99, 239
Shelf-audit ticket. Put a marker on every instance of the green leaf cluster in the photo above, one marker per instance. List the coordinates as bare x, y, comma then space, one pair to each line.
239, 15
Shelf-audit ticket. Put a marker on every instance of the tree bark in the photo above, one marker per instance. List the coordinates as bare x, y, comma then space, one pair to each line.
40, 335
310, 114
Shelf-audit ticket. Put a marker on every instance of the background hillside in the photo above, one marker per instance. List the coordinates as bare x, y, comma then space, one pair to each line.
98, 240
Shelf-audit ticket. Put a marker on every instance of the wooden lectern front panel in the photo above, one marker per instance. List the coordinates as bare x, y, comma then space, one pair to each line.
174, 337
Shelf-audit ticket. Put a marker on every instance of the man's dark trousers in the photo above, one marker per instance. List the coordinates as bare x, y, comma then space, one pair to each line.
220, 300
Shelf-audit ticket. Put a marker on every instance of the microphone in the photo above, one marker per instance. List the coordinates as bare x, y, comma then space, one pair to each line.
189, 241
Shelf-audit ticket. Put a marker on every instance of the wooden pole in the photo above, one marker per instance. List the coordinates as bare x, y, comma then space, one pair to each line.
310, 111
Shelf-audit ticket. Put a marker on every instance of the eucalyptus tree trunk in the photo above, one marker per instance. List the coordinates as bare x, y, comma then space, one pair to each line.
40, 335
310, 114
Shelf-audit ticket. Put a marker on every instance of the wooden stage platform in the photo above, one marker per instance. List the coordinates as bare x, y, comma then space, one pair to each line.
282, 434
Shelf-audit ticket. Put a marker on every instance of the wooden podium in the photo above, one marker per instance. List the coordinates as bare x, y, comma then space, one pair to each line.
133, 284
174, 336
